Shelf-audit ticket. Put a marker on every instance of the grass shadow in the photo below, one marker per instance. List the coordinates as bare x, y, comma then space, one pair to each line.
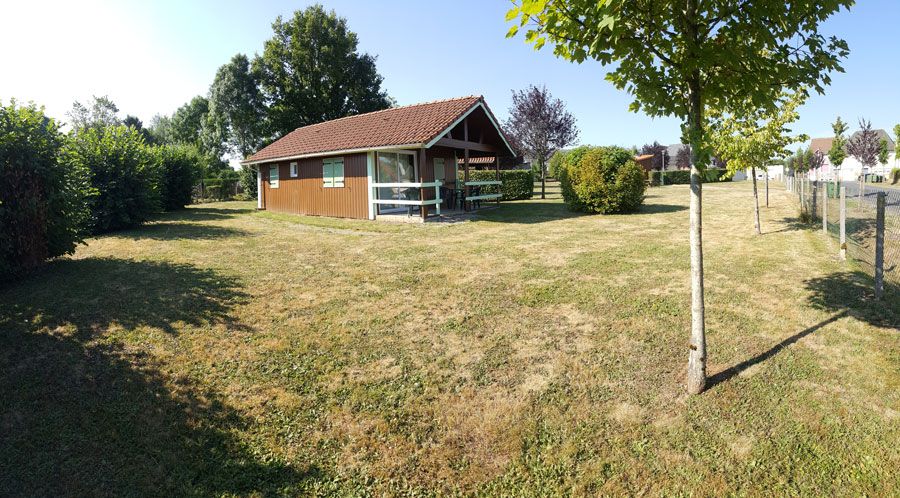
660, 208
854, 292
86, 415
733, 371
199, 213
790, 225
537, 211
179, 230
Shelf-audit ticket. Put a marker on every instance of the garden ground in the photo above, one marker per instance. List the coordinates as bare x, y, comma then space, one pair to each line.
223, 351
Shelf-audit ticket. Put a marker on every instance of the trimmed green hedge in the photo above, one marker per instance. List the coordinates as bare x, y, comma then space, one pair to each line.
518, 184
683, 177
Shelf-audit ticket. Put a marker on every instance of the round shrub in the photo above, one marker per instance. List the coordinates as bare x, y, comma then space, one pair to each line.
602, 180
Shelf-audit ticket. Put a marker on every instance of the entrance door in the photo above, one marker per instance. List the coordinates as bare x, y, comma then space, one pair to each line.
396, 167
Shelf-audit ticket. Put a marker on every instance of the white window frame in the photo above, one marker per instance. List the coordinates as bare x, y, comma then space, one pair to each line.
329, 178
273, 181
295, 171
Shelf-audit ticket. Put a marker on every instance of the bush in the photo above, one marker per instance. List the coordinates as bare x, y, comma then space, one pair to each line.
602, 180
123, 173
179, 170
221, 187
41, 200
517, 183
895, 176
248, 181
555, 163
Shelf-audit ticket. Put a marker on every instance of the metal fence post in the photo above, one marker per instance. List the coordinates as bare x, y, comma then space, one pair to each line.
825, 209
814, 193
843, 222
879, 245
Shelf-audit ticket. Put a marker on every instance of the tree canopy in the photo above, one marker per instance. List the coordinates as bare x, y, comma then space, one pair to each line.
311, 71
236, 109
838, 151
864, 144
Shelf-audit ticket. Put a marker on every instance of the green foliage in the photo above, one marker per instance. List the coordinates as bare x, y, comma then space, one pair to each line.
180, 167
101, 112
683, 176
248, 181
883, 152
41, 200
221, 187
517, 184
311, 71
838, 151
705, 54
602, 180
749, 137
555, 163
122, 171
895, 176
236, 108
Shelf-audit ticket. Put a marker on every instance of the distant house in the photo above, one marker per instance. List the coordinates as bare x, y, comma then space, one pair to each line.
850, 169
391, 162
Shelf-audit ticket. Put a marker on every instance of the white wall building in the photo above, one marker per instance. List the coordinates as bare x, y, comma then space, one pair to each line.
851, 169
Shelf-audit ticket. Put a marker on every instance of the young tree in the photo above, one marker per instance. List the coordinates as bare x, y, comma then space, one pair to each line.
863, 146
660, 154
749, 137
236, 108
539, 126
896, 143
838, 151
684, 156
883, 152
679, 58
311, 71
101, 112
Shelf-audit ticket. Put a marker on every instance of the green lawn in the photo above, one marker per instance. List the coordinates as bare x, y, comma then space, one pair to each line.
223, 351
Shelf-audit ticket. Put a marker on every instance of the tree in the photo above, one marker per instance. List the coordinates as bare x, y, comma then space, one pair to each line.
179, 171
679, 58
883, 152
101, 112
683, 157
539, 126
137, 124
896, 142
864, 146
660, 154
838, 151
42, 209
236, 108
749, 137
311, 71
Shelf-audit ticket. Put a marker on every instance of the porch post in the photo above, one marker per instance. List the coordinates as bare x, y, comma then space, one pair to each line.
260, 204
423, 209
466, 165
499, 187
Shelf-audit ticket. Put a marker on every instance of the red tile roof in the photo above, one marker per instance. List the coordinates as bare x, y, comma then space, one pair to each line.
408, 125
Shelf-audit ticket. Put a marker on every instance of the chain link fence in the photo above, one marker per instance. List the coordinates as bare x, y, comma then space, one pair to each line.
820, 204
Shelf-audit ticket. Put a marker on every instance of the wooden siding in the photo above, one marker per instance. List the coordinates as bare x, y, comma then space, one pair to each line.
305, 194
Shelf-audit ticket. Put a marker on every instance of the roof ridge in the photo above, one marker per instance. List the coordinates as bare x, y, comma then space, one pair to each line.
478, 97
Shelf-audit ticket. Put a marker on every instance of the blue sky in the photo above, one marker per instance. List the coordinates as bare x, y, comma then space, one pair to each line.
151, 57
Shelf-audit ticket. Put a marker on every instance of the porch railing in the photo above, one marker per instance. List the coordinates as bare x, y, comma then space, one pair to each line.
436, 202
483, 183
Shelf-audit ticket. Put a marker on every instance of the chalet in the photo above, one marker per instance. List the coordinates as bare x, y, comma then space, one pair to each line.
402, 161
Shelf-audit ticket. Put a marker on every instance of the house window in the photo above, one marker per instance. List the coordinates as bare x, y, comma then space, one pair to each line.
439, 170
294, 172
273, 176
333, 172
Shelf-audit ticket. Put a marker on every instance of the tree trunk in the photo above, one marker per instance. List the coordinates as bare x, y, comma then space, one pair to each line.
696, 374
756, 200
862, 189
543, 181
767, 189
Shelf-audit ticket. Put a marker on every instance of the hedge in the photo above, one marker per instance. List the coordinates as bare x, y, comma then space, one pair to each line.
517, 184
601, 180
42, 210
124, 174
683, 177
895, 176
179, 171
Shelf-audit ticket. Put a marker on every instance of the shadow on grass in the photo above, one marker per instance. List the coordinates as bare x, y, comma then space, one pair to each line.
854, 292
199, 213
790, 225
844, 294
83, 414
179, 230
733, 371
538, 211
